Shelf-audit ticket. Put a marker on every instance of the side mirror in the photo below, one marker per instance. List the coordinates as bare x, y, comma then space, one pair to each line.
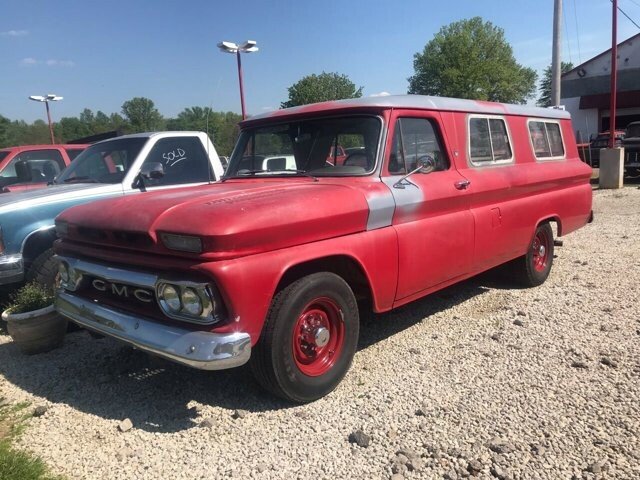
426, 164
152, 170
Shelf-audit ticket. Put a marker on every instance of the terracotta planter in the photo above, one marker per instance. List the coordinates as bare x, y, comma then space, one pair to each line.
38, 331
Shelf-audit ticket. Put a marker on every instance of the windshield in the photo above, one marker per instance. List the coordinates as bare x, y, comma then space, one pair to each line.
104, 162
309, 147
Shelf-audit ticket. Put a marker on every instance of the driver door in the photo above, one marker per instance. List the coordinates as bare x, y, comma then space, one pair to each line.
432, 218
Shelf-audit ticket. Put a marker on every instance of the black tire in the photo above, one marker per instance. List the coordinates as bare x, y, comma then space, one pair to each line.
44, 269
532, 269
276, 358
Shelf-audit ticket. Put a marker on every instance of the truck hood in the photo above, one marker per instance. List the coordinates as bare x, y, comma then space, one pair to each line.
232, 219
51, 194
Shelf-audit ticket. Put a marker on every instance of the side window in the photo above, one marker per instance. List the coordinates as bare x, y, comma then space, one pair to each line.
73, 152
35, 166
546, 139
489, 142
184, 161
413, 139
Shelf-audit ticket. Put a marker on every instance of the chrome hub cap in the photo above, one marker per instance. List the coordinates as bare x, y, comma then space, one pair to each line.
321, 336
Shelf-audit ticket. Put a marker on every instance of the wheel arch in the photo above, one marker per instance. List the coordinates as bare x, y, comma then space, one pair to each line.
345, 266
37, 242
551, 219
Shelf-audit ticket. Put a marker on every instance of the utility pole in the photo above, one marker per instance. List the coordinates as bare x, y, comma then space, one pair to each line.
555, 54
614, 74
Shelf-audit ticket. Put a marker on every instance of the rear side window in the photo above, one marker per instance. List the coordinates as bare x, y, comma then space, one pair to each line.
489, 142
546, 139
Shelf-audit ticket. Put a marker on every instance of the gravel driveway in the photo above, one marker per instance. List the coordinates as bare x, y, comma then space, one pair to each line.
480, 379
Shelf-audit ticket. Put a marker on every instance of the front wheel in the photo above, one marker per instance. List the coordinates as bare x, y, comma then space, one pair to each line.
532, 269
309, 338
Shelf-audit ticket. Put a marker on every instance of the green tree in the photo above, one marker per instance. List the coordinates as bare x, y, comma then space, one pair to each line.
544, 100
471, 59
321, 88
221, 126
142, 115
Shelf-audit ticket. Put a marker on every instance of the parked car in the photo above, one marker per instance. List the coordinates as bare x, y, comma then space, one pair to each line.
120, 166
276, 267
33, 166
590, 152
631, 145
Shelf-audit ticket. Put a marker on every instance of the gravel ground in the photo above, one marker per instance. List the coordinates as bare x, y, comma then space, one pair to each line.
480, 379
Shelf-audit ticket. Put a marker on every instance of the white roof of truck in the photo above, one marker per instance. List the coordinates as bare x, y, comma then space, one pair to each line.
421, 102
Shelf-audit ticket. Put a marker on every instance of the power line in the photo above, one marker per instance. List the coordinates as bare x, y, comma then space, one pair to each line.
575, 17
566, 27
628, 17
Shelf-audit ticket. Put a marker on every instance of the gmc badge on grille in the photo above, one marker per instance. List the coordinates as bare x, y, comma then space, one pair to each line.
123, 290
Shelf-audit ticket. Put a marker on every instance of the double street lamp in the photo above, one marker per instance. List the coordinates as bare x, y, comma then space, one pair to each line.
46, 99
247, 47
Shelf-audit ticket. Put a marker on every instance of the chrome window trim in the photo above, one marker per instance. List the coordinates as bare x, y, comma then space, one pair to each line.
544, 121
493, 162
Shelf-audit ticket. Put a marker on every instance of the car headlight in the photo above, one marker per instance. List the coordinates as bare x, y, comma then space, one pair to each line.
170, 298
191, 302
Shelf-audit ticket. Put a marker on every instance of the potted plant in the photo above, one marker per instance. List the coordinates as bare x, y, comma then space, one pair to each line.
32, 321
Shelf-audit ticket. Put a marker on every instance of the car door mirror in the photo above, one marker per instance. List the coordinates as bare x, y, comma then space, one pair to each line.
152, 170
426, 164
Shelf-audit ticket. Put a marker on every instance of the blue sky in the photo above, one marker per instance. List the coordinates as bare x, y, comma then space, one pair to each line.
100, 54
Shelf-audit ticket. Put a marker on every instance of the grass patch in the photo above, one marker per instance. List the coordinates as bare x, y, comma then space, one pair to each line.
17, 464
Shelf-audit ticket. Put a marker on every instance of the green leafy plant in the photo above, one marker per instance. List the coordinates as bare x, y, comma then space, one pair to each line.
30, 297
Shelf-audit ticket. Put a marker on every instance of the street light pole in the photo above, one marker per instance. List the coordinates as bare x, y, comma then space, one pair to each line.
46, 99
247, 47
244, 114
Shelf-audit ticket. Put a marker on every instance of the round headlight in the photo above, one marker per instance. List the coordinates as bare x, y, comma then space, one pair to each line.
171, 298
63, 271
191, 302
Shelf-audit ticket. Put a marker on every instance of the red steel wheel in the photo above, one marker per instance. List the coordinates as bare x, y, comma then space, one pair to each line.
318, 337
540, 248
532, 269
308, 339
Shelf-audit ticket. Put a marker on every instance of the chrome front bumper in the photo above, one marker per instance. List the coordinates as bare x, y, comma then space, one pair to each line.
197, 349
11, 269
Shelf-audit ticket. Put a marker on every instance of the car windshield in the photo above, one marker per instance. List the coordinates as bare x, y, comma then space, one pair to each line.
308, 147
104, 162
633, 131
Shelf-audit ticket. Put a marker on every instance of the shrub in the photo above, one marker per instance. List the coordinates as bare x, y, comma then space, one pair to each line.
30, 297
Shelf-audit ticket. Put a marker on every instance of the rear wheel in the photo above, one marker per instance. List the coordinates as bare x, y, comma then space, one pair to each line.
532, 269
309, 338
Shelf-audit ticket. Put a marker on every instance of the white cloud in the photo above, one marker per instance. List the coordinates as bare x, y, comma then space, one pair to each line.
266, 109
380, 94
15, 33
59, 63
52, 62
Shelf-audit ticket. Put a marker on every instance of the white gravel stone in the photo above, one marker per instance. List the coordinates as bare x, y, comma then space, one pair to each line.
474, 375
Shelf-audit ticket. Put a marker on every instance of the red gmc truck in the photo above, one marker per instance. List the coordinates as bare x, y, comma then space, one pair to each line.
274, 265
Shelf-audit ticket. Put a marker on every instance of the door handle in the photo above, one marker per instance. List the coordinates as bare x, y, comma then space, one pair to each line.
462, 184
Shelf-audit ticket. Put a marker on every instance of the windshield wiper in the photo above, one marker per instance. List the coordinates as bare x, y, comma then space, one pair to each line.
80, 180
284, 171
